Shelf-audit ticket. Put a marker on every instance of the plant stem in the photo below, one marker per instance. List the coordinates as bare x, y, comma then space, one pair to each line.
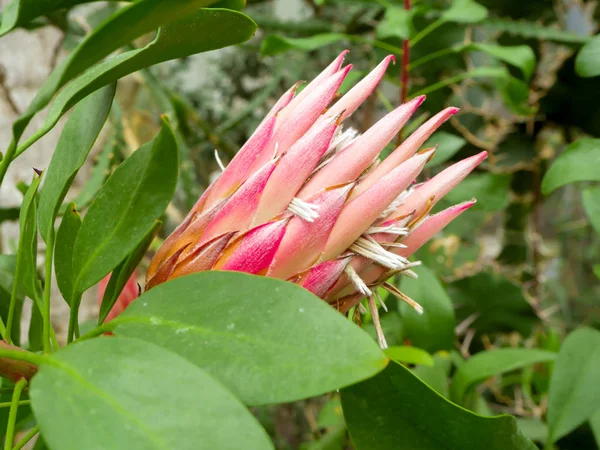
47, 287
29, 436
404, 69
431, 56
8, 157
12, 415
21, 403
425, 31
73, 331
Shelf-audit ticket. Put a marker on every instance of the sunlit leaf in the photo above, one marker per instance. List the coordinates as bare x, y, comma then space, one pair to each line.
578, 162
587, 63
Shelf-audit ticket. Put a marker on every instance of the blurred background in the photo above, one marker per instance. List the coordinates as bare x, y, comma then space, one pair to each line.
520, 269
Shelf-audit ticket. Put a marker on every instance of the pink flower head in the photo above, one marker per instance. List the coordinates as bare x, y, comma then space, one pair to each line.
308, 201
129, 293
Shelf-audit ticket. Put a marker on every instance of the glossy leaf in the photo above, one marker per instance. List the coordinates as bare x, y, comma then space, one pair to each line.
591, 204
465, 11
587, 63
125, 209
125, 394
180, 39
409, 355
578, 162
275, 44
434, 329
123, 272
448, 145
267, 340
396, 411
76, 141
63, 253
574, 396
493, 303
120, 29
491, 363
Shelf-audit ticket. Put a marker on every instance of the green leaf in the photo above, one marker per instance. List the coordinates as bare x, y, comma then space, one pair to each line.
596, 270
591, 204
595, 425
574, 396
63, 253
409, 355
19, 13
76, 141
125, 209
26, 271
465, 11
118, 393
123, 272
397, 23
491, 363
267, 340
275, 44
587, 63
182, 38
521, 56
578, 162
449, 145
8, 264
533, 429
436, 377
396, 411
494, 303
491, 190
434, 329
532, 30
119, 29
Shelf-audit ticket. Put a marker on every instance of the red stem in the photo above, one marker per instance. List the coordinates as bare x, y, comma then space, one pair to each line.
404, 71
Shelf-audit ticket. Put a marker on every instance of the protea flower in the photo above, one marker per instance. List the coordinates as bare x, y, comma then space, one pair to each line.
305, 201
129, 293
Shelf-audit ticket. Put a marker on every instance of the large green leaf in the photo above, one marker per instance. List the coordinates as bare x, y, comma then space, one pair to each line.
494, 362
465, 11
493, 303
267, 340
434, 329
587, 63
578, 162
125, 394
574, 396
207, 29
125, 209
395, 410
76, 141
591, 204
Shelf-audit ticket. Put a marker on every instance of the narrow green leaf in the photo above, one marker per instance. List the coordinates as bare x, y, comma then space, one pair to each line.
578, 162
220, 27
492, 304
125, 209
19, 13
275, 44
125, 394
434, 329
574, 396
521, 56
533, 429
532, 30
76, 141
8, 264
587, 63
465, 11
396, 411
267, 340
120, 29
397, 23
410, 355
63, 253
449, 145
491, 363
595, 425
591, 204
123, 272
